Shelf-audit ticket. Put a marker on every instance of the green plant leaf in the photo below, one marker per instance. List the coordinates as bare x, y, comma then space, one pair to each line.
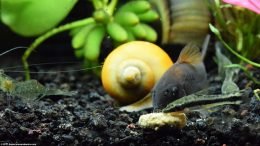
34, 17
239, 39
217, 33
214, 30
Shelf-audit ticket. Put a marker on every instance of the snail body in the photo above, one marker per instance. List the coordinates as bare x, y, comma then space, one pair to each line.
131, 70
182, 21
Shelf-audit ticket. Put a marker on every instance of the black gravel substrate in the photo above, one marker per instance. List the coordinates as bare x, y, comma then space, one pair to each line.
92, 118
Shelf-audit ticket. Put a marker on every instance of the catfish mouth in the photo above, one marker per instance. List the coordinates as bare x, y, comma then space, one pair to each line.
157, 110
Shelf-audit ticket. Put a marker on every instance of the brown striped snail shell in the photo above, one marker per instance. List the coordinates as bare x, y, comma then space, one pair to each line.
183, 21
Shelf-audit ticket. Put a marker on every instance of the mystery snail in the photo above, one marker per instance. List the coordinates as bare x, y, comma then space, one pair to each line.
131, 70
182, 21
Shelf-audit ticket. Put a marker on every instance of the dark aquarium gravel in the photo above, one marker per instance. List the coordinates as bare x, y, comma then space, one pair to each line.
92, 118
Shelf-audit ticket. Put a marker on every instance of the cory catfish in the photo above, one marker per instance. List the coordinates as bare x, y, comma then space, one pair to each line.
186, 76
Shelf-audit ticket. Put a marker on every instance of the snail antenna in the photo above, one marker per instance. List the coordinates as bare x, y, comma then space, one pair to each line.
10, 50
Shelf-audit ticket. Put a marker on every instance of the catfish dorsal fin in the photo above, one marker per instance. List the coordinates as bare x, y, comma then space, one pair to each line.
190, 54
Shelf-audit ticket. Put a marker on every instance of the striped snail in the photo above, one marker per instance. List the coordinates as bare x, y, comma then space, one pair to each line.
131, 70
182, 21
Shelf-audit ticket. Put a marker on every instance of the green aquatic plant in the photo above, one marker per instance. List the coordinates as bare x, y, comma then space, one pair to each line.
126, 23
120, 23
238, 30
250, 75
32, 18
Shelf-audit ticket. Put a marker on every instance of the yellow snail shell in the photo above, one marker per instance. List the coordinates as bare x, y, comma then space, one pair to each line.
131, 70
183, 21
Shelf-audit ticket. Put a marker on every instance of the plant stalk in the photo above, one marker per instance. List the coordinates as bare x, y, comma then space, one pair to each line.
47, 35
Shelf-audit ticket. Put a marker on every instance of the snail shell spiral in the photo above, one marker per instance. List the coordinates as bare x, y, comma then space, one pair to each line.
131, 70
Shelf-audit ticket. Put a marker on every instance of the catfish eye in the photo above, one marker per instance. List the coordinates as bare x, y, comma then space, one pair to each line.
166, 92
170, 92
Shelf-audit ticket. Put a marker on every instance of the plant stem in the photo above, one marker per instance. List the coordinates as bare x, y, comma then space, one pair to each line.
238, 55
248, 73
97, 4
111, 7
218, 14
47, 35
217, 33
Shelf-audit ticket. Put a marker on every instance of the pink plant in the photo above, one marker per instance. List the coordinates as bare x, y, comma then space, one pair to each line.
253, 5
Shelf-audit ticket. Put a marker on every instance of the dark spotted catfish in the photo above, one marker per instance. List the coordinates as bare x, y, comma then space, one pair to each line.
186, 76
